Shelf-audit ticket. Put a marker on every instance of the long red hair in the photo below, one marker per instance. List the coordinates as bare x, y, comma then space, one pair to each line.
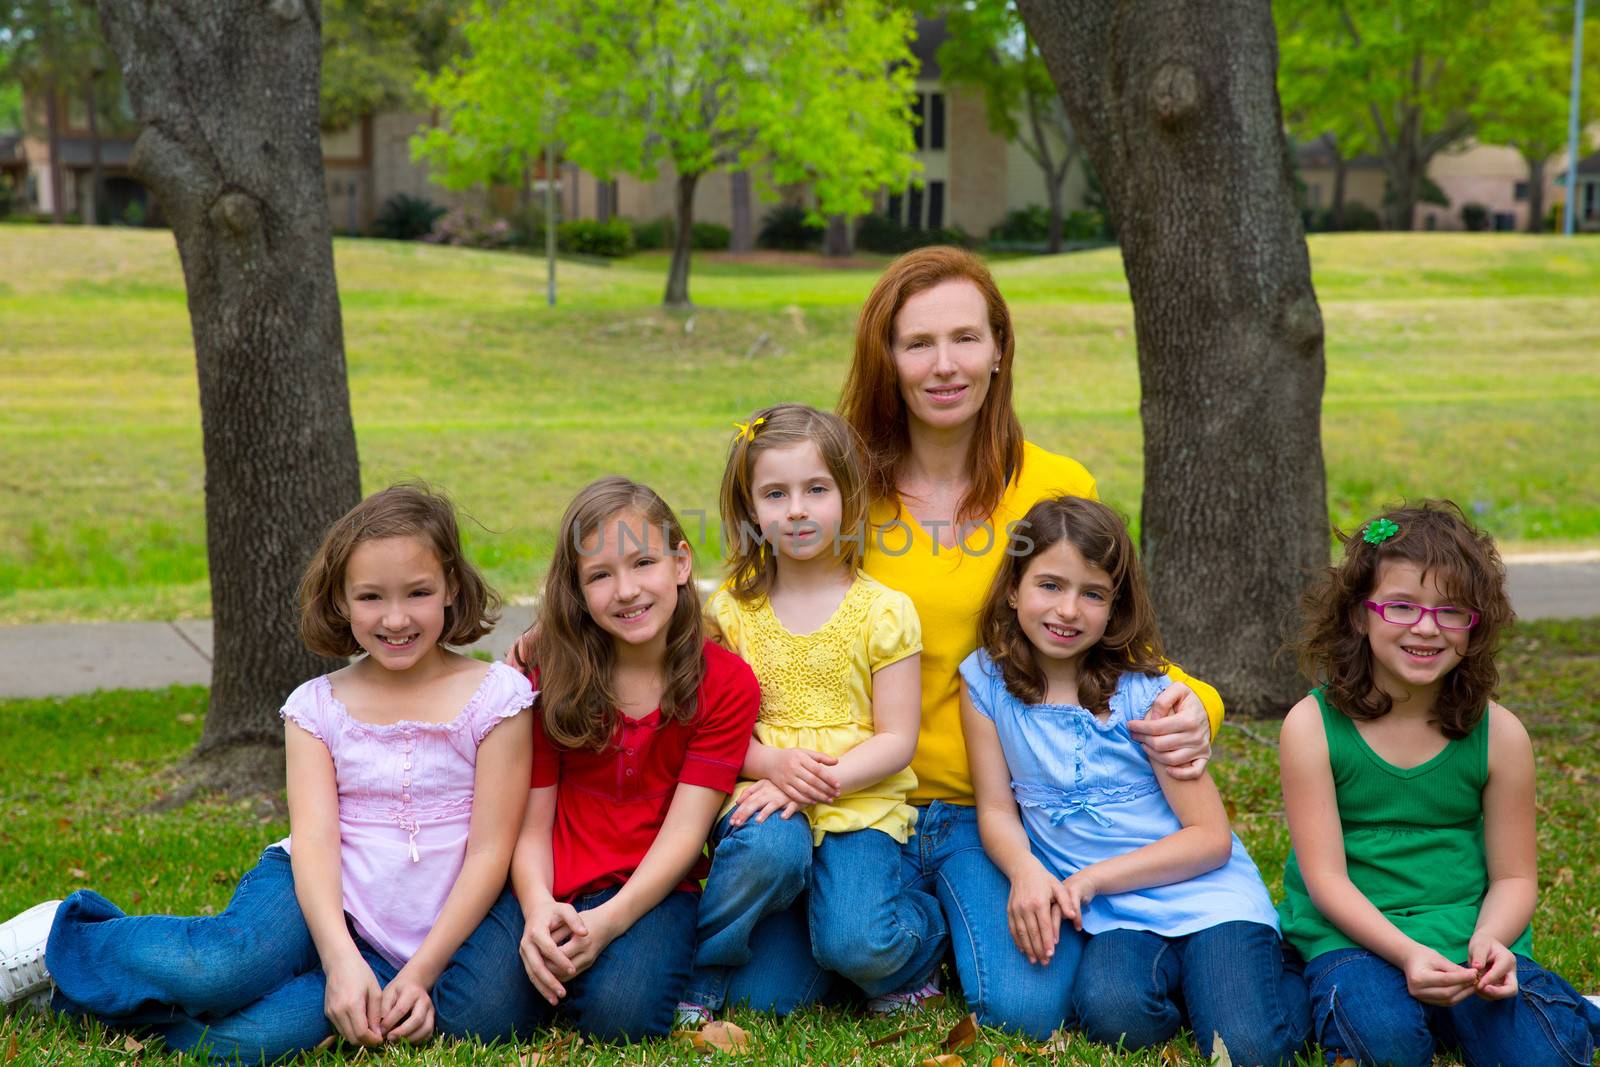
871, 401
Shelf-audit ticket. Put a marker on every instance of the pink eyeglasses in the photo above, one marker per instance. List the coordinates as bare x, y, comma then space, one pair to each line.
1405, 613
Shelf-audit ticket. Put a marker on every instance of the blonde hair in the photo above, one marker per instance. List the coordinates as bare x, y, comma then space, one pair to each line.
398, 511
574, 656
750, 567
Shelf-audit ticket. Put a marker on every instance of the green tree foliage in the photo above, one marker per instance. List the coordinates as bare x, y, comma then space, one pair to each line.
1403, 79
374, 52
988, 49
818, 93
1527, 90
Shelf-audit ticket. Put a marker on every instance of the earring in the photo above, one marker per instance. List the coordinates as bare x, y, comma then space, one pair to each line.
995, 369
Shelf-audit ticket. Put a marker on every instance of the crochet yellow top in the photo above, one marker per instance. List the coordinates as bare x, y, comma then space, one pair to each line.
816, 691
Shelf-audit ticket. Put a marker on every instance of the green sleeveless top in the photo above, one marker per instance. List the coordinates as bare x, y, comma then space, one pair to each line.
1413, 843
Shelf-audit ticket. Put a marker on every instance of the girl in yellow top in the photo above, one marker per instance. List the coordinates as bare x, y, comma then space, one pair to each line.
823, 808
948, 472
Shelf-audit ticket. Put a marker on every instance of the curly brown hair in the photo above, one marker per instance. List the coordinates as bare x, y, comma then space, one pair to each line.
750, 565
407, 510
574, 656
1436, 537
1132, 641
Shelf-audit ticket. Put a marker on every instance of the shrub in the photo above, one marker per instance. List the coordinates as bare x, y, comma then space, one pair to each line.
591, 238
1475, 217
134, 214
527, 227
784, 228
651, 235
469, 230
7, 196
1357, 216
876, 233
710, 236
1084, 226
1031, 224
406, 218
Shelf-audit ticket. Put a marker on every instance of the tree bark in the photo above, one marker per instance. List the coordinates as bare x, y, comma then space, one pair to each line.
52, 121
1176, 103
836, 240
97, 179
682, 244
1052, 184
1535, 193
225, 93
743, 236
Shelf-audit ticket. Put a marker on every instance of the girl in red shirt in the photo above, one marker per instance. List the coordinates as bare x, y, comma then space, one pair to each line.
641, 728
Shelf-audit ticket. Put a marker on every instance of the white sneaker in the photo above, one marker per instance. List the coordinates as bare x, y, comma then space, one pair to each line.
908, 1000
1595, 1000
22, 939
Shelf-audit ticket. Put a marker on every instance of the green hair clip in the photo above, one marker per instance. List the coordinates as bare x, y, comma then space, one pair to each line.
1378, 531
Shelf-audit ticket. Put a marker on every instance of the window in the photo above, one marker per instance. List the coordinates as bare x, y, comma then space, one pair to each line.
935, 205
1313, 195
914, 208
1589, 198
927, 121
918, 127
1521, 193
1504, 221
936, 121
893, 208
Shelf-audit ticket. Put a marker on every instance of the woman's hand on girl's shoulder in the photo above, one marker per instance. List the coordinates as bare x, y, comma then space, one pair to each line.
1175, 732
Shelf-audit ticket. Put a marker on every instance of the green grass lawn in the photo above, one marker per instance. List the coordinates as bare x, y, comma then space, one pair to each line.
1458, 365
73, 815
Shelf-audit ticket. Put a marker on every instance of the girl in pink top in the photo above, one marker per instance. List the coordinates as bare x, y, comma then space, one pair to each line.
407, 775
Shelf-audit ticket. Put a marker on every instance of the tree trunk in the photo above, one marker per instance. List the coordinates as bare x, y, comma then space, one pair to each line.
682, 243
225, 94
1336, 209
1052, 184
58, 190
97, 179
743, 238
1176, 103
836, 241
1535, 193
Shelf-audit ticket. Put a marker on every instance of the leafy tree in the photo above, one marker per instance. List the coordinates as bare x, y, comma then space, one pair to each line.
374, 52
10, 107
1526, 91
1177, 107
797, 92
988, 48
1407, 77
48, 47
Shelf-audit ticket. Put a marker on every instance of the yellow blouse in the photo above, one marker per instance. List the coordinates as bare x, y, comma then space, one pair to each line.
816, 691
947, 587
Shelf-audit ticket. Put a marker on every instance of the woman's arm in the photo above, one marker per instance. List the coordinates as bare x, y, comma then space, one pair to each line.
1511, 851
896, 717
1036, 902
671, 856
504, 761
1203, 844
1176, 732
1312, 806
352, 1001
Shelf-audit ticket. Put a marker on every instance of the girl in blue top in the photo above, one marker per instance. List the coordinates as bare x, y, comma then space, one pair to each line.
1183, 930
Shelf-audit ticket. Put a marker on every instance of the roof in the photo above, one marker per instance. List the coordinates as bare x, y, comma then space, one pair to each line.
114, 151
1321, 153
931, 33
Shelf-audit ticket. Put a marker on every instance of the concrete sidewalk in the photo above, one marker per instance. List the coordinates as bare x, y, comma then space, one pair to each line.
58, 659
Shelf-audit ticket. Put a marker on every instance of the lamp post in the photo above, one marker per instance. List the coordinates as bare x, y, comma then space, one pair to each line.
1572, 120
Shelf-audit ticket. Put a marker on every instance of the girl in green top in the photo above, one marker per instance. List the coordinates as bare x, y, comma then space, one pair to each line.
1412, 880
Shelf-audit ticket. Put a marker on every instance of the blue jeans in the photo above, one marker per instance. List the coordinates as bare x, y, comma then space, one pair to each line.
1362, 1011
1136, 988
859, 922
245, 984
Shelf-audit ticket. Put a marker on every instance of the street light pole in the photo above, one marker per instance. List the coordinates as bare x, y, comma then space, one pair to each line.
1572, 120
550, 216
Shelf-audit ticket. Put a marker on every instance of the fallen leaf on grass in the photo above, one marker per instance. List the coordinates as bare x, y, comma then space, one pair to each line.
77, 872
529, 1059
1170, 1056
963, 1035
1219, 1052
132, 1044
327, 1042
1001, 1061
947, 1060
11, 1050
1055, 1044
716, 1036
1345, 1061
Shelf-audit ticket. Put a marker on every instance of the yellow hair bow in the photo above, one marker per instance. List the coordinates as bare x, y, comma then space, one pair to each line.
747, 430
